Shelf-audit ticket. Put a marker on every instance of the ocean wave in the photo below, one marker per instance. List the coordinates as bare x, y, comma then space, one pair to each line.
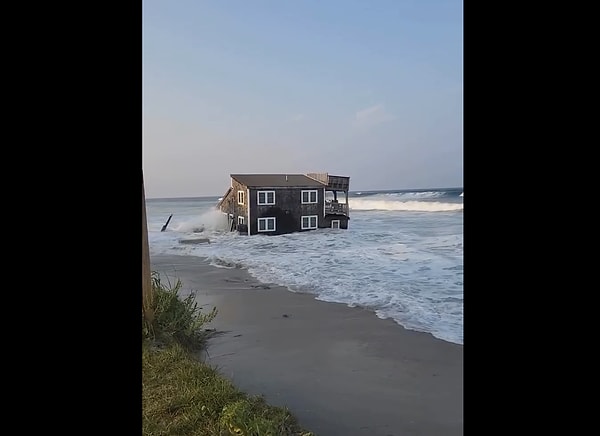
410, 195
426, 194
413, 206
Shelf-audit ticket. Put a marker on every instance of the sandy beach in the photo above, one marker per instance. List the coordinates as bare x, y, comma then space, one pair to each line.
340, 370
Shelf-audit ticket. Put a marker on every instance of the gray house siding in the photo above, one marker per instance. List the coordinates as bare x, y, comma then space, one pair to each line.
287, 210
238, 209
230, 204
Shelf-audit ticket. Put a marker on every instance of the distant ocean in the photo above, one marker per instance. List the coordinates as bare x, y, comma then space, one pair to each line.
401, 256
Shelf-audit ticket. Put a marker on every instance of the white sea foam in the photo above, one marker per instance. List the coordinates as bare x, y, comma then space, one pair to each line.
209, 220
414, 206
415, 195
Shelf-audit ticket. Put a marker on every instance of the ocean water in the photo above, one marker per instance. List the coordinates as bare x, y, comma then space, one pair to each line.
401, 256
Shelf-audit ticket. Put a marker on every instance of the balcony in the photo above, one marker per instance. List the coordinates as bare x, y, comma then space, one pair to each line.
336, 208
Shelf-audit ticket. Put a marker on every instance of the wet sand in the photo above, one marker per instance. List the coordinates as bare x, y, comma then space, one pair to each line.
340, 370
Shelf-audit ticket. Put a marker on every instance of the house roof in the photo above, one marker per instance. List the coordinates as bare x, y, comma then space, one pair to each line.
277, 180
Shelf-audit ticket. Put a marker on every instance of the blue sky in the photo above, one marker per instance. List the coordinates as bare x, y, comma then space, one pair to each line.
367, 89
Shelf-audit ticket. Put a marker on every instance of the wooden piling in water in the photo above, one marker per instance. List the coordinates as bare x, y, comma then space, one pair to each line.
166, 224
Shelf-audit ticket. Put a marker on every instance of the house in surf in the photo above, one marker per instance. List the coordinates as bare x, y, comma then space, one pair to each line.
275, 204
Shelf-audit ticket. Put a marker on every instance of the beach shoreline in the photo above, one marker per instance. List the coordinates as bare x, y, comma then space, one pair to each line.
340, 370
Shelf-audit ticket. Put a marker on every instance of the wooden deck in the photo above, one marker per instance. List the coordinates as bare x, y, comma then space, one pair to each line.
337, 208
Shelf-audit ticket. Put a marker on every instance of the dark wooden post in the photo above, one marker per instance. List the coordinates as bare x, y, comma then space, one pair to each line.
347, 205
146, 272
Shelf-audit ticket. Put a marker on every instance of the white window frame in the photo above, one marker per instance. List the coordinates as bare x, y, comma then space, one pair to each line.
240, 219
338, 224
266, 195
316, 217
310, 191
242, 196
266, 220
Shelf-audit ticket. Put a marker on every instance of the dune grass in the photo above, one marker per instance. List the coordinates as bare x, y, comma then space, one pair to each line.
183, 396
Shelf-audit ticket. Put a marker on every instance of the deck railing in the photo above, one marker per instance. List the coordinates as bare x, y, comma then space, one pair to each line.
331, 207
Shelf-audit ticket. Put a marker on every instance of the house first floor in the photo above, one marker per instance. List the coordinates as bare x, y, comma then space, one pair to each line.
277, 223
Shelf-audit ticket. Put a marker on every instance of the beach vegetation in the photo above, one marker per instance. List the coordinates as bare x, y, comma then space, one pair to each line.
177, 319
181, 395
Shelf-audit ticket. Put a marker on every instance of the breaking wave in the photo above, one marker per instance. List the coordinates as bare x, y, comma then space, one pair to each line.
411, 205
210, 220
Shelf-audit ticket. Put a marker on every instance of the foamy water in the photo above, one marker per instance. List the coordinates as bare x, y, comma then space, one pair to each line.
402, 255
410, 205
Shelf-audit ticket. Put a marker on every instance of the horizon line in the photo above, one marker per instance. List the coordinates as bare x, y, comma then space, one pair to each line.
354, 191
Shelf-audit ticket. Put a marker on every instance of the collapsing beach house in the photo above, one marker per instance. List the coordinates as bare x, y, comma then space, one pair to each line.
275, 204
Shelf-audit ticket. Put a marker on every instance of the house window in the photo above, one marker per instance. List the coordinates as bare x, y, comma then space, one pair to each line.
266, 224
309, 222
266, 198
309, 197
240, 220
241, 197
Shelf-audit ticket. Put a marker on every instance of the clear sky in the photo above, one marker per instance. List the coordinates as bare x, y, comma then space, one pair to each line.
370, 89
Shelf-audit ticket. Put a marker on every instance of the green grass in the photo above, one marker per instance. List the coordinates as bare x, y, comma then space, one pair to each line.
182, 396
